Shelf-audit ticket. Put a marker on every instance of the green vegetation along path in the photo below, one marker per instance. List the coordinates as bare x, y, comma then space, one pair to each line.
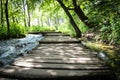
58, 57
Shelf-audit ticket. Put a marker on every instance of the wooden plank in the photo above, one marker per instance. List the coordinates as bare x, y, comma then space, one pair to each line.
59, 39
59, 66
55, 34
62, 53
59, 61
62, 58
19, 72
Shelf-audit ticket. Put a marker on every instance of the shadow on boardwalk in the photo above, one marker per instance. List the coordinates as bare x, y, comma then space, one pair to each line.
58, 57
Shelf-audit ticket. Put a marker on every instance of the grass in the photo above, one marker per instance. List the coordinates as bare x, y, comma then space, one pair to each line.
111, 51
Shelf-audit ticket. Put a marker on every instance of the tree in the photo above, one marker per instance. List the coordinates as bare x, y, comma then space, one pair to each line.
2, 22
24, 10
7, 18
28, 11
81, 14
77, 30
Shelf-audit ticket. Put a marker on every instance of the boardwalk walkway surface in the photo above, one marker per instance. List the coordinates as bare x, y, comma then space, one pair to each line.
58, 57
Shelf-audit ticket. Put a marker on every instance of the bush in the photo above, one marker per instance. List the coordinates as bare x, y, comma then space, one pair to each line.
3, 32
110, 33
40, 28
16, 31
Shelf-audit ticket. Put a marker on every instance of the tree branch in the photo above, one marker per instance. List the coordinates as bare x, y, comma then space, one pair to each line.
74, 3
70, 8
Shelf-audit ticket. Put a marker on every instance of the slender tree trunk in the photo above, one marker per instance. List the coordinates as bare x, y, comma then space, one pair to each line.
38, 22
7, 18
81, 14
24, 10
48, 21
41, 22
28, 10
77, 30
16, 20
56, 22
2, 22
13, 19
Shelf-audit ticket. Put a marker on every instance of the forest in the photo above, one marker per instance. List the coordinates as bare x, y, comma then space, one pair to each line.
97, 21
74, 17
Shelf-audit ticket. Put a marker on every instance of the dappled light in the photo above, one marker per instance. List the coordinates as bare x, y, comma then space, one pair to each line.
52, 72
60, 56
57, 57
69, 28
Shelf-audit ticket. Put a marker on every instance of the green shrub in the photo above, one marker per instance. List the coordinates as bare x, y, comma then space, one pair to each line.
40, 28
3, 32
111, 33
16, 31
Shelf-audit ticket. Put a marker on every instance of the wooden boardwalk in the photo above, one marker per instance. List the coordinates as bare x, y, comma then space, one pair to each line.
59, 57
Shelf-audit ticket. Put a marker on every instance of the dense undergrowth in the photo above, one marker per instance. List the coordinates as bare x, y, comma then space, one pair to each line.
16, 31
40, 29
112, 52
19, 31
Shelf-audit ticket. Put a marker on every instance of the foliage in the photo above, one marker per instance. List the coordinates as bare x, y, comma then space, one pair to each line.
47, 15
83, 28
111, 33
3, 32
67, 29
16, 31
111, 51
105, 15
40, 28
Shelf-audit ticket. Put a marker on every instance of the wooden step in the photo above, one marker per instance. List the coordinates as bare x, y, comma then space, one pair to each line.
60, 66
31, 73
59, 39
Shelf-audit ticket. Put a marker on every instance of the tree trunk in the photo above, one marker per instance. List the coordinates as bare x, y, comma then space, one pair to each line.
13, 19
28, 10
7, 18
2, 22
77, 30
24, 10
41, 22
81, 14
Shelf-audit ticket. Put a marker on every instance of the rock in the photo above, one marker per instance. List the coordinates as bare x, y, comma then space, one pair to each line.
5, 61
104, 57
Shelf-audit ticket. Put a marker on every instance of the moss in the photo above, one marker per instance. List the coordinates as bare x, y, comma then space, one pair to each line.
112, 52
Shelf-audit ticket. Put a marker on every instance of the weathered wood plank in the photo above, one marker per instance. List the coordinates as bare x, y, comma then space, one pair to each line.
57, 39
19, 72
60, 66
58, 53
59, 61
